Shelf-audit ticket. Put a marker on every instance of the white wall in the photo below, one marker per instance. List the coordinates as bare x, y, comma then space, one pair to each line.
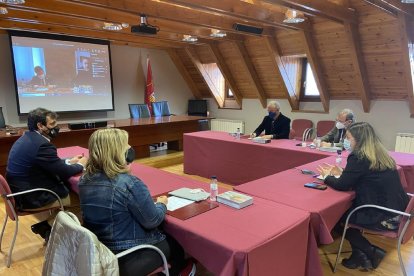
387, 117
129, 67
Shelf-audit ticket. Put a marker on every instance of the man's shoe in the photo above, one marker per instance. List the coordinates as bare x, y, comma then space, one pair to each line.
190, 269
42, 228
377, 255
358, 259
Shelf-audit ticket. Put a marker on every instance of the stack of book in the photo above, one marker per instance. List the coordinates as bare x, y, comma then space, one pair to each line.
234, 199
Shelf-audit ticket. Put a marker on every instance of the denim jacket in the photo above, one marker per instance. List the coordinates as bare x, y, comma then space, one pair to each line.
120, 211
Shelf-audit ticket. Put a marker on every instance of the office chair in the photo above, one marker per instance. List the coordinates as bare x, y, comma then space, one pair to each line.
2, 122
303, 129
403, 234
139, 111
323, 127
160, 109
81, 248
13, 213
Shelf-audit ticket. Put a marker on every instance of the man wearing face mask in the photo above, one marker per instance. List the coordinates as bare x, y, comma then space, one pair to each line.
336, 136
33, 163
275, 125
40, 78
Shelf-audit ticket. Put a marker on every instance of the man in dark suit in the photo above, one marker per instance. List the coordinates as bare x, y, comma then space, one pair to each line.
40, 77
337, 134
33, 163
275, 125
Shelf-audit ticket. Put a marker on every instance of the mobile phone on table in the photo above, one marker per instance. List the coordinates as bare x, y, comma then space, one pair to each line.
316, 186
305, 171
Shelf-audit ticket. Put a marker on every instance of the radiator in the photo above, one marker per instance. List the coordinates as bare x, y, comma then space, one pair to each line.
404, 142
227, 125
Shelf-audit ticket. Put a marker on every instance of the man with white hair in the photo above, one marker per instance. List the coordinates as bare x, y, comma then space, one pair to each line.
275, 125
336, 136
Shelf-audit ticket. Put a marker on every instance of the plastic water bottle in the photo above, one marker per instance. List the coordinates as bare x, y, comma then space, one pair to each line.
338, 160
213, 188
238, 134
318, 142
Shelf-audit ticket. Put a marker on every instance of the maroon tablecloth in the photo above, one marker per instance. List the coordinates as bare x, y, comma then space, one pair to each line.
262, 239
235, 162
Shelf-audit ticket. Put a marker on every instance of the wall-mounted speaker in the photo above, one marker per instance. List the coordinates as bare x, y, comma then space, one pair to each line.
247, 29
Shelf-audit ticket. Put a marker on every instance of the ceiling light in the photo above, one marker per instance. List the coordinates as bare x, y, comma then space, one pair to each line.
14, 2
292, 16
217, 33
111, 27
3, 10
189, 38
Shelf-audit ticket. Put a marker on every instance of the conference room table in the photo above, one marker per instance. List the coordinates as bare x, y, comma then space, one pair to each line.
266, 238
236, 162
143, 132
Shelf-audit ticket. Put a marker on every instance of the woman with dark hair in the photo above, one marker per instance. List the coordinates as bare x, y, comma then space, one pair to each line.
372, 174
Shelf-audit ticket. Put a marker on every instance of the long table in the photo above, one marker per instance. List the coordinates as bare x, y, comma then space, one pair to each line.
235, 162
266, 238
142, 133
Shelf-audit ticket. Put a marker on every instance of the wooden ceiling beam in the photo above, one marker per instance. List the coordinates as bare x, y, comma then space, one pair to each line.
289, 88
214, 90
313, 60
406, 40
238, 10
19, 14
361, 75
260, 91
65, 30
154, 9
184, 73
225, 70
79, 11
392, 6
319, 8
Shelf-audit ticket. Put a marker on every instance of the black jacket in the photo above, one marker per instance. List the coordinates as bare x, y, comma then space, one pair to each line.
33, 163
371, 187
279, 128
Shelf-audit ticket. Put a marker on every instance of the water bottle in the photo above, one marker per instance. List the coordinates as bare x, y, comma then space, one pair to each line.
213, 188
338, 160
238, 134
318, 142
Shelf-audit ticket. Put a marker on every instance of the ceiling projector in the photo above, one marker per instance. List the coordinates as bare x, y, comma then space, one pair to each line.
144, 27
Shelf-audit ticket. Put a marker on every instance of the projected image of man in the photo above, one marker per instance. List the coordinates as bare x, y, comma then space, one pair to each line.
84, 73
40, 77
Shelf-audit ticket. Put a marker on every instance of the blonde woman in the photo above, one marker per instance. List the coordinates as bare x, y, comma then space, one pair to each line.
372, 174
119, 209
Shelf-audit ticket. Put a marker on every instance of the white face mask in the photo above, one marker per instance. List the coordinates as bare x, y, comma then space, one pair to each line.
340, 125
41, 76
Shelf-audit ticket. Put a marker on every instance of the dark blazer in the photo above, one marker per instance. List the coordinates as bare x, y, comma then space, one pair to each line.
371, 187
335, 136
279, 128
33, 163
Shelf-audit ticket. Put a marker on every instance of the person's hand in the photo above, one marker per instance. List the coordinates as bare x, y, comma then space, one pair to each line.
324, 170
162, 199
267, 136
76, 159
252, 135
83, 161
325, 144
336, 171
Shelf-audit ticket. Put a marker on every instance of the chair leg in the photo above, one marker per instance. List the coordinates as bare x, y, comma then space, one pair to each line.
13, 241
2, 230
340, 249
400, 258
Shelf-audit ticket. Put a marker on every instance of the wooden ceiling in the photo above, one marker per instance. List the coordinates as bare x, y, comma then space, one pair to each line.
358, 49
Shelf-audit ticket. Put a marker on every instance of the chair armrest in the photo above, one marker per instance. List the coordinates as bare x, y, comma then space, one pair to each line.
37, 190
146, 246
409, 194
307, 134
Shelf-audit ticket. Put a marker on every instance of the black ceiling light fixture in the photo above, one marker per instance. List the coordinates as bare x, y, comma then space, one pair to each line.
144, 27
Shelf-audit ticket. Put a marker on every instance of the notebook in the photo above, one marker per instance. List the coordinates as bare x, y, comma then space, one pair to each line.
191, 194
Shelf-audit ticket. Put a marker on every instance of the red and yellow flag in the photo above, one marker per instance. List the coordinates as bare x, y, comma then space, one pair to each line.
149, 89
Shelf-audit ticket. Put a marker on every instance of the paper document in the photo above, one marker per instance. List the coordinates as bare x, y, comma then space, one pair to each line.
175, 203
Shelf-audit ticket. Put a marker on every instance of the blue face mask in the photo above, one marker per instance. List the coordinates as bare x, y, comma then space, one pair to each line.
347, 145
272, 114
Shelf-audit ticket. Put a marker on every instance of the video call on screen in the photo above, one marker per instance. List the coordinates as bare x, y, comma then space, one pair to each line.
61, 75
